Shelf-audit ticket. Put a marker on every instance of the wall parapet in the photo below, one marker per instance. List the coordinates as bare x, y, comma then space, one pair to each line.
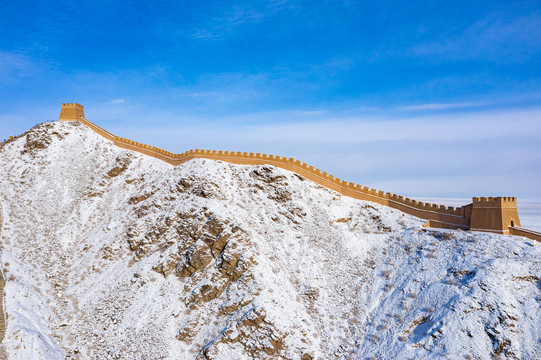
530, 234
447, 214
438, 215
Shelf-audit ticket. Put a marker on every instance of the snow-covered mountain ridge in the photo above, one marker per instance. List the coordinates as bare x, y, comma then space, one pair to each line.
108, 253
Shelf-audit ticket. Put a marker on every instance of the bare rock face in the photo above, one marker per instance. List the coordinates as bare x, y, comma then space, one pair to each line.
211, 254
259, 338
274, 185
122, 162
42, 136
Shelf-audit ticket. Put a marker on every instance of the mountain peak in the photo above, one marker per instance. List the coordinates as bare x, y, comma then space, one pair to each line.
109, 253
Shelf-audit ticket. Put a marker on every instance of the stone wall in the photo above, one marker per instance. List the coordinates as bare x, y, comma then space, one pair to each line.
484, 214
453, 217
495, 214
71, 111
518, 231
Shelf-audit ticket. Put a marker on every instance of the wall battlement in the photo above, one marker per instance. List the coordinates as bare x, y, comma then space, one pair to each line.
505, 200
493, 214
71, 111
72, 105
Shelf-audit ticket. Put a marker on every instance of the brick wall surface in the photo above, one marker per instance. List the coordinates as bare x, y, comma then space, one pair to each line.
454, 217
437, 215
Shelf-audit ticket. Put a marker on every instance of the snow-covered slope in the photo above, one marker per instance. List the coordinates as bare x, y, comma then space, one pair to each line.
109, 254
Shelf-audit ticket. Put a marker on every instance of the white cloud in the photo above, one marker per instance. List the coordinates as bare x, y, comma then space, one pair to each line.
323, 127
477, 154
444, 106
14, 64
230, 22
117, 101
495, 37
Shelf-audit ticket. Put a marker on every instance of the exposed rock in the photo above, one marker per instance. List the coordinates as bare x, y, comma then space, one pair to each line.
122, 162
109, 255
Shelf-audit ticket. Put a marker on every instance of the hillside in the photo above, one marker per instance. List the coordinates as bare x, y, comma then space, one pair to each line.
110, 254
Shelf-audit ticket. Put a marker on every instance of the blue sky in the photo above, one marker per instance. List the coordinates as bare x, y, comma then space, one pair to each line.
421, 98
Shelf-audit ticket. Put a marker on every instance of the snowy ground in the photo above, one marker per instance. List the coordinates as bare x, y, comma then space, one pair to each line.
111, 254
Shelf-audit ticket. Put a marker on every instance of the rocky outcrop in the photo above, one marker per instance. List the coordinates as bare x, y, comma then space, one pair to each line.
117, 255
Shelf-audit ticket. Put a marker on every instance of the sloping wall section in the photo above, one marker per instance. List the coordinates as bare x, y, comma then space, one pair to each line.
453, 217
437, 215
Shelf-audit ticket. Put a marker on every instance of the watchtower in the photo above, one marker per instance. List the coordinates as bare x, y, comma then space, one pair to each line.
71, 112
494, 214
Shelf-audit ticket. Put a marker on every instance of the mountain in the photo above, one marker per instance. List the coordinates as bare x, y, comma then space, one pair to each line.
110, 254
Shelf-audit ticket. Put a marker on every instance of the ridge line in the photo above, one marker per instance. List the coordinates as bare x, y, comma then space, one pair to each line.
453, 217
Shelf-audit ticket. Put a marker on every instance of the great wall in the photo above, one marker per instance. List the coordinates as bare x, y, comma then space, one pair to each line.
490, 214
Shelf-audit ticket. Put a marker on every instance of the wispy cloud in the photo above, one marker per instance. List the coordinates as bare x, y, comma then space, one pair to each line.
442, 106
325, 128
117, 101
449, 155
233, 19
14, 65
495, 37
237, 18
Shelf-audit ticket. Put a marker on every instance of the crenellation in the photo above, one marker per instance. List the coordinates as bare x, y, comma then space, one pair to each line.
484, 213
71, 112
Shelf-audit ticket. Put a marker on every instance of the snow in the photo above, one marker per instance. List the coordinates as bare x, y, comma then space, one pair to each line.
108, 253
